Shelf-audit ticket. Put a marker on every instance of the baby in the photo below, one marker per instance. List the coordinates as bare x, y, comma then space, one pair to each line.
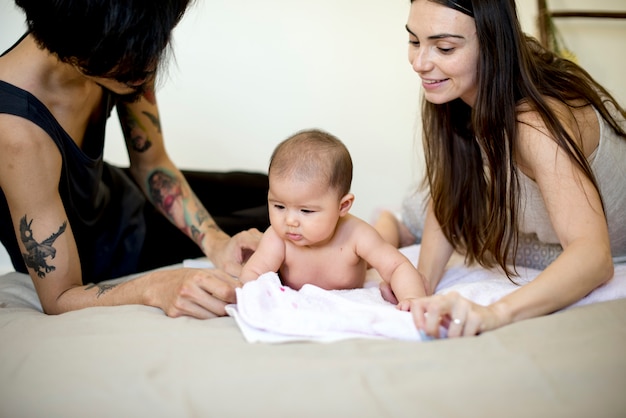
313, 238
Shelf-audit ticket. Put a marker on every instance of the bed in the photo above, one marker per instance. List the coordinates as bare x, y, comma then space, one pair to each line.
133, 361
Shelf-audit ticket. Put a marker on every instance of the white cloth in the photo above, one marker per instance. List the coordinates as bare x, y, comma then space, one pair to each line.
268, 312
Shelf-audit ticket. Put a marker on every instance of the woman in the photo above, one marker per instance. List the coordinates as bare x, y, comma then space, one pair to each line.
521, 147
67, 217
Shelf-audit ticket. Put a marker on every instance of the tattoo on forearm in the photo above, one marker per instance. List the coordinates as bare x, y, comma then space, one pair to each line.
166, 193
154, 119
196, 235
201, 215
102, 288
37, 252
135, 132
187, 213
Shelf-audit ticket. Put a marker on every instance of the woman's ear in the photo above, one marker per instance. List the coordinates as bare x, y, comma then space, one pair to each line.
345, 204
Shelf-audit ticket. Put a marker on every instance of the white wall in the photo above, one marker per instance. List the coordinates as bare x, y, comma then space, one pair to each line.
248, 74
599, 44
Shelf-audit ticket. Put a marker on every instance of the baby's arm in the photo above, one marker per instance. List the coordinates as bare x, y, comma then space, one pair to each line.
393, 266
268, 256
407, 284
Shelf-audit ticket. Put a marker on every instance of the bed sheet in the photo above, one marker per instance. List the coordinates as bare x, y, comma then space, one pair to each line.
134, 361
268, 312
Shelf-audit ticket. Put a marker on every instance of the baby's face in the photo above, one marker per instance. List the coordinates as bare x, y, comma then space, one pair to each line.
303, 212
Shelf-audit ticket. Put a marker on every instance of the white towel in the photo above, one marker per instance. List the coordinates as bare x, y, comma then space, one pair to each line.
268, 312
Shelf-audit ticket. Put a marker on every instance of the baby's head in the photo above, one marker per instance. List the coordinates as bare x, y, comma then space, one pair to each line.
314, 156
310, 175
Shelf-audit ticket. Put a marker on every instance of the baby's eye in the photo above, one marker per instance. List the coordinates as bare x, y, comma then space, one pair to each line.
279, 207
307, 211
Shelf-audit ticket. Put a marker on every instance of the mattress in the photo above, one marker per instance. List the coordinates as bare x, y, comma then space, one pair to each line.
133, 361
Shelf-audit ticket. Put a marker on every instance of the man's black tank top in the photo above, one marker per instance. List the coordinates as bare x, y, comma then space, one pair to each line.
104, 207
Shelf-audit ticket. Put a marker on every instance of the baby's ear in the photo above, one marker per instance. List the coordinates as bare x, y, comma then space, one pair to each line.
345, 204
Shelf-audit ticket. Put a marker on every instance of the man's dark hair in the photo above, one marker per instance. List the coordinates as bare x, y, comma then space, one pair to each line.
119, 39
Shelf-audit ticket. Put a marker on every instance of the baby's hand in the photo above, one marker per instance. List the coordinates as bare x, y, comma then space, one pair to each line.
405, 304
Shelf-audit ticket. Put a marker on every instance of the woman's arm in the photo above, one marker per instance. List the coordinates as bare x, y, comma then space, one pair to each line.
435, 252
576, 214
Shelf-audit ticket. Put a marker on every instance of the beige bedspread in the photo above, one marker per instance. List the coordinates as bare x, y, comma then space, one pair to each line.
133, 361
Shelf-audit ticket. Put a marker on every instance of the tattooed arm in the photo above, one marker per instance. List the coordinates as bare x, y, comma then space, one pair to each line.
30, 169
166, 187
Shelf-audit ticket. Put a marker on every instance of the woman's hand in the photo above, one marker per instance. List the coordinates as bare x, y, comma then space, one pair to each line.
458, 315
451, 311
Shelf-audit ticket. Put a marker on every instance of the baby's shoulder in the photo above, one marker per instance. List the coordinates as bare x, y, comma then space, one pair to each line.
356, 234
351, 226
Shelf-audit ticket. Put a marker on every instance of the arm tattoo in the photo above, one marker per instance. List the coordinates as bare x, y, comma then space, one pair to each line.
202, 215
134, 131
37, 252
187, 213
154, 119
102, 288
150, 96
196, 235
165, 191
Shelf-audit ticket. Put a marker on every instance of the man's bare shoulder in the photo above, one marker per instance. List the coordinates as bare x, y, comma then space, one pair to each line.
28, 153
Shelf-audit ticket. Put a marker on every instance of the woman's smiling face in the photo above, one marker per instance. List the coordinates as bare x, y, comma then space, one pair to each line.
443, 50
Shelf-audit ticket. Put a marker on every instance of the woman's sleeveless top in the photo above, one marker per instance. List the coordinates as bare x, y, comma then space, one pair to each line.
539, 244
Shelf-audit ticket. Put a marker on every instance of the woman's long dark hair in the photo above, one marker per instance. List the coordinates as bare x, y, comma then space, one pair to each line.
470, 152
120, 39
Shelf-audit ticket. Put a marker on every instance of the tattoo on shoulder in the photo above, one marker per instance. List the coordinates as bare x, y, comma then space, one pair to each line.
102, 288
37, 252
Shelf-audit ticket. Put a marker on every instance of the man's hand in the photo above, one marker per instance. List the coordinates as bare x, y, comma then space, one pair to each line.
199, 293
231, 253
